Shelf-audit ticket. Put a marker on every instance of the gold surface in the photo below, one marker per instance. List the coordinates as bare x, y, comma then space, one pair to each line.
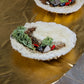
15, 69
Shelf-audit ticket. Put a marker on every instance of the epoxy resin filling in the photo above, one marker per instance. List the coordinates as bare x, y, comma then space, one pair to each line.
26, 38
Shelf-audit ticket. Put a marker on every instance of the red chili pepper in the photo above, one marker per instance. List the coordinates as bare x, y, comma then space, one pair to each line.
66, 4
36, 45
53, 47
70, 0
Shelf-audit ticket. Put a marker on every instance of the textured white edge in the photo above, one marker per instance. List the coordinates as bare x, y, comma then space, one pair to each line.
55, 82
62, 10
40, 56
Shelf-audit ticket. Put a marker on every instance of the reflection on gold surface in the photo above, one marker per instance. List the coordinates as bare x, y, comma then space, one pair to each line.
43, 71
46, 16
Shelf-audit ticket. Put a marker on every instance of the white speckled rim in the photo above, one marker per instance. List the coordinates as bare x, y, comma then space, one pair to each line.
63, 10
59, 32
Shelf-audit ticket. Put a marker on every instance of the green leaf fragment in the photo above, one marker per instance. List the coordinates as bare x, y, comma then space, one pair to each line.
63, 1
47, 41
51, 0
21, 37
21, 28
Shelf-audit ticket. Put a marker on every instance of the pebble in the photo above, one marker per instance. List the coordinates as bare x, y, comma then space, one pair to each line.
72, 1
62, 4
47, 3
55, 2
40, 49
54, 5
47, 49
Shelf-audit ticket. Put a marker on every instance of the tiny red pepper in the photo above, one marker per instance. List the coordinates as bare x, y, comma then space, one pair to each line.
53, 47
36, 45
70, 0
66, 4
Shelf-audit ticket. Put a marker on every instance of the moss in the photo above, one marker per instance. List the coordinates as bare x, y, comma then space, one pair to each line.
47, 41
22, 38
63, 1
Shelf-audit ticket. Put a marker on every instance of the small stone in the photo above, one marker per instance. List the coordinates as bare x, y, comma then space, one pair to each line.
47, 49
62, 4
55, 2
72, 1
40, 49
54, 5
47, 3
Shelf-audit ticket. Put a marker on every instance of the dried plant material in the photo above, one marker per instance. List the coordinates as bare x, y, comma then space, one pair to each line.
4, 43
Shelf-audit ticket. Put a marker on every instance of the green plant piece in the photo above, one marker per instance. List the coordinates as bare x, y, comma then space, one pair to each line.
47, 41
63, 1
22, 38
51, 0
21, 28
